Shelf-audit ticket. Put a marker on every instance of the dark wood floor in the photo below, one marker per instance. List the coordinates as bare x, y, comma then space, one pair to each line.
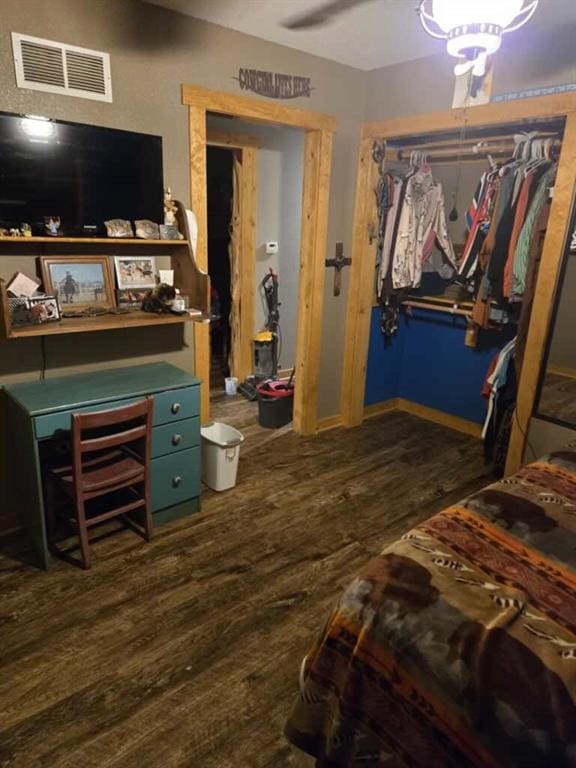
185, 652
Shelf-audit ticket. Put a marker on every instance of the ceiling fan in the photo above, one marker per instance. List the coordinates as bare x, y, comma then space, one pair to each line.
323, 14
472, 29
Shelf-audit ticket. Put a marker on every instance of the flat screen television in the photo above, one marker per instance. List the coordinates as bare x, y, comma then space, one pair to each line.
82, 173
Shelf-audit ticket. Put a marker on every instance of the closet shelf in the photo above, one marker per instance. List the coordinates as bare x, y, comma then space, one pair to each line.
438, 304
447, 308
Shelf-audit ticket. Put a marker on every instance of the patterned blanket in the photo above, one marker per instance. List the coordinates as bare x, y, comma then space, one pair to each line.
456, 646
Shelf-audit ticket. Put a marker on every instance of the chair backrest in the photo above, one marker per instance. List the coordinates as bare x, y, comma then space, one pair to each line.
109, 429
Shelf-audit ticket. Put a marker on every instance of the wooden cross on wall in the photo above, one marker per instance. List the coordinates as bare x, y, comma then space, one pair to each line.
338, 262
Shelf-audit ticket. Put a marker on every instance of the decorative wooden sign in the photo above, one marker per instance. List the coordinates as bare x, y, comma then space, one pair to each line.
274, 85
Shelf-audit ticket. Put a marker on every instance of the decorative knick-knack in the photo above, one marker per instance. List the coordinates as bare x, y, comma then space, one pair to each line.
170, 208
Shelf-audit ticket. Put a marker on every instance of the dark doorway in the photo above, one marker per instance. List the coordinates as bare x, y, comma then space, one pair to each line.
219, 169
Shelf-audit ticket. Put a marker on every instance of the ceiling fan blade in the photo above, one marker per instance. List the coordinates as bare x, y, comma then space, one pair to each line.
322, 15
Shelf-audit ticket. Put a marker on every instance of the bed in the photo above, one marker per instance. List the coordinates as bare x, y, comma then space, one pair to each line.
456, 646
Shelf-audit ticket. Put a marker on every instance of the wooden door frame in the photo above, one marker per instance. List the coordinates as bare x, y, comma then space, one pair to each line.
360, 292
319, 129
248, 147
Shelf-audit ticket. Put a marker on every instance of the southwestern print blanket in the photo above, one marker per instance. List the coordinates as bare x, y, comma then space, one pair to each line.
456, 647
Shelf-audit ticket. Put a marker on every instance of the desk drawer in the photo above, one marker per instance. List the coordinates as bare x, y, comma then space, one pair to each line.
179, 436
175, 478
175, 405
52, 424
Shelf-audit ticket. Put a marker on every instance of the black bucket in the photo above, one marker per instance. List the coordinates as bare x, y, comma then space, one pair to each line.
275, 404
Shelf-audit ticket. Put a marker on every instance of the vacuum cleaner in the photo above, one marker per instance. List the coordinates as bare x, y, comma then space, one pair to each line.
266, 341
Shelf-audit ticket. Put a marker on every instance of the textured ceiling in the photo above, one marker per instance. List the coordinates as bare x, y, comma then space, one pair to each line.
373, 34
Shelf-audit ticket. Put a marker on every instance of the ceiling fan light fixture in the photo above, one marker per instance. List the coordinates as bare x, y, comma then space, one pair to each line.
473, 29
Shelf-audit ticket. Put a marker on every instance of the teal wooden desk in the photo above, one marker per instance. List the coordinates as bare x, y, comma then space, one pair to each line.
38, 416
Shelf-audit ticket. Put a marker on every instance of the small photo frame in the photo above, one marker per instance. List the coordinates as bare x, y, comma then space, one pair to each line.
78, 282
52, 225
44, 309
34, 311
135, 272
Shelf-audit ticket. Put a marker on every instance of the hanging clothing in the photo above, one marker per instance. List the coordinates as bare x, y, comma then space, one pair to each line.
478, 220
502, 384
392, 205
527, 232
422, 215
503, 233
519, 218
534, 257
496, 272
496, 379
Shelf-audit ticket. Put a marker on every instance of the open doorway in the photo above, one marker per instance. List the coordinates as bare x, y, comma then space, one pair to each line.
254, 197
220, 192
317, 130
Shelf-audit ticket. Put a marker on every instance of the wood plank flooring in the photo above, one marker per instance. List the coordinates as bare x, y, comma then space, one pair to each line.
184, 653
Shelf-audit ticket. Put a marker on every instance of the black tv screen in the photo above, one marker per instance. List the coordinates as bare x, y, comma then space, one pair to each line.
81, 173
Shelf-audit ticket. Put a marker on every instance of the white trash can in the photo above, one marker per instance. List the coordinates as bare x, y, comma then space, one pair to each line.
220, 454
231, 385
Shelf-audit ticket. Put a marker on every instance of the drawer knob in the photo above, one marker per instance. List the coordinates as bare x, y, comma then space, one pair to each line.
176, 481
176, 407
176, 439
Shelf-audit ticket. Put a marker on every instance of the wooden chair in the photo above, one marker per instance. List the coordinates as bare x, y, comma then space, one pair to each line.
110, 456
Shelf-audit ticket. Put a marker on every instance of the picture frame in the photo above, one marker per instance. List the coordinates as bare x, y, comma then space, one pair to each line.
135, 272
78, 282
34, 311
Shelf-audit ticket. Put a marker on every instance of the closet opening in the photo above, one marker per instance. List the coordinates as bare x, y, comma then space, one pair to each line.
459, 222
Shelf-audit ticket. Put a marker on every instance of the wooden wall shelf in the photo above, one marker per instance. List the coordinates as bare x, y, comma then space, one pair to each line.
89, 324
191, 281
102, 323
115, 241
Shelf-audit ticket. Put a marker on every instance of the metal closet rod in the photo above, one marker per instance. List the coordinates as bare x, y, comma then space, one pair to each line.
469, 153
468, 141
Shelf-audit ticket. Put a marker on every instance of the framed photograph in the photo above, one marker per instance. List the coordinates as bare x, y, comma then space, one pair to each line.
44, 309
34, 311
135, 272
78, 282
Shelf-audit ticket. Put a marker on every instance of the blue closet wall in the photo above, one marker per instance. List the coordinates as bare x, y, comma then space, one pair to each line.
428, 363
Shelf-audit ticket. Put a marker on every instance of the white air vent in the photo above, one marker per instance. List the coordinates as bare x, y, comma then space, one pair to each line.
44, 65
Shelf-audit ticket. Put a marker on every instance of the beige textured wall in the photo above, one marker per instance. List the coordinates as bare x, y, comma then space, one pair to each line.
531, 58
153, 51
